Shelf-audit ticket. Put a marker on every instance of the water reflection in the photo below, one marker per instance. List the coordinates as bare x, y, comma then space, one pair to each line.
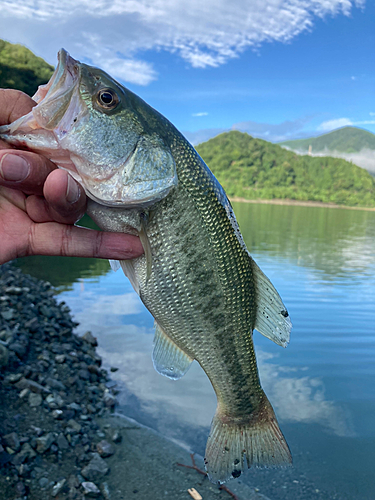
323, 263
335, 241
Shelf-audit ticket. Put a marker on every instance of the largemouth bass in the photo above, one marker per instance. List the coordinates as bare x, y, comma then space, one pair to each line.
196, 276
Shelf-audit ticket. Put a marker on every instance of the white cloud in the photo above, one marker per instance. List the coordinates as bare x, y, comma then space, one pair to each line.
333, 124
203, 113
205, 33
343, 122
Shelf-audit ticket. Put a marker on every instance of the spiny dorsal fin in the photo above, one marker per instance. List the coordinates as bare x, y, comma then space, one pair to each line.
272, 318
169, 360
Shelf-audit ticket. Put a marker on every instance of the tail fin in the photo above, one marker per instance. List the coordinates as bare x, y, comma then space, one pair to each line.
259, 438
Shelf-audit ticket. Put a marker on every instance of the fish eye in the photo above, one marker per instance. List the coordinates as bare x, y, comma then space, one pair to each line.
107, 98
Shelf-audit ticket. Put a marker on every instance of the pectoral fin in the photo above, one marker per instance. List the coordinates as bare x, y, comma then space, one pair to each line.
169, 360
272, 318
115, 265
147, 248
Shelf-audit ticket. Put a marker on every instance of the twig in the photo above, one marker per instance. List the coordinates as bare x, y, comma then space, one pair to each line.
204, 473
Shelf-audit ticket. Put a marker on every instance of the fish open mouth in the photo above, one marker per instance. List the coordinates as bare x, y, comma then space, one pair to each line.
54, 98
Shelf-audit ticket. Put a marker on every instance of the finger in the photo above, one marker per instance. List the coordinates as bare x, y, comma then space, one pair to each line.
13, 104
65, 197
24, 170
53, 238
38, 209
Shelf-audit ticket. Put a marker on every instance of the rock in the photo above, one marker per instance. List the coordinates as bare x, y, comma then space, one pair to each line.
44, 443
8, 314
60, 358
58, 414
58, 487
105, 491
90, 339
26, 383
25, 454
43, 482
90, 489
4, 355
55, 384
20, 489
13, 378
18, 348
35, 400
96, 469
75, 426
12, 440
116, 436
105, 449
109, 399
113, 369
84, 374
62, 442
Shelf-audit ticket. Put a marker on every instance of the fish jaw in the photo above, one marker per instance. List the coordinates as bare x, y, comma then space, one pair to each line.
54, 115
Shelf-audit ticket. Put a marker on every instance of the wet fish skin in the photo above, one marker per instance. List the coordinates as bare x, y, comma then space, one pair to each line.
196, 278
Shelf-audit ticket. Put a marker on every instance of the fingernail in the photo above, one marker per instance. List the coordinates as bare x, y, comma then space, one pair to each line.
14, 168
72, 191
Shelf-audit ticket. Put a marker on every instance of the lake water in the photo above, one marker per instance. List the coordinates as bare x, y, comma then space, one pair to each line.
322, 261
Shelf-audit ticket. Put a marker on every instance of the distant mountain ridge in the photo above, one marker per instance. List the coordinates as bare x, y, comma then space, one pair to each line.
342, 140
21, 69
256, 169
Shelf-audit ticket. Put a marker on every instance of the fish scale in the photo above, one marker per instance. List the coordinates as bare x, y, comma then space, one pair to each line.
196, 277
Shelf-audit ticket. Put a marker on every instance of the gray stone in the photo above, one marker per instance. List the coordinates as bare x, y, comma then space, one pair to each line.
35, 399
74, 406
90, 339
116, 436
43, 482
90, 489
105, 491
12, 440
44, 443
60, 358
25, 454
109, 399
62, 442
25, 383
18, 348
4, 355
8, 314
105, 449
58, 414
74, 425
95, 469
55, 384
20, 489
13, 378
58, 487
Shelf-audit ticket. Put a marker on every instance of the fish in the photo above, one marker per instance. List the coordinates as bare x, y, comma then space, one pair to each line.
196, 276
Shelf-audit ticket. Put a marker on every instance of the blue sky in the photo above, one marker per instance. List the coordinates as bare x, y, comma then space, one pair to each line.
277, 69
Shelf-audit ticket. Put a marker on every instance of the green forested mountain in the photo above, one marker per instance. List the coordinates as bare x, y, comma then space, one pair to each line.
21, 69
256, 169
342, 140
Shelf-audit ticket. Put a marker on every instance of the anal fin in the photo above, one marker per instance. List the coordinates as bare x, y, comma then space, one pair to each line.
169, 360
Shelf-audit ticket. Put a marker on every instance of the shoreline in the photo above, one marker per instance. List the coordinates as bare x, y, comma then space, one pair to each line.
60, 437
299, 203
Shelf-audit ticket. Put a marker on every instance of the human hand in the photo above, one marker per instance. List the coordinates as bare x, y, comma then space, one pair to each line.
39, 203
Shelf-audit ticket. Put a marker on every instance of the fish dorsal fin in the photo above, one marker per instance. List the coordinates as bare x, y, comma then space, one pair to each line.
169, 360
128, 268
272, 318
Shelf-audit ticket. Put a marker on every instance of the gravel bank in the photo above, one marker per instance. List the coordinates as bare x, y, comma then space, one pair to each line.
58, 436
